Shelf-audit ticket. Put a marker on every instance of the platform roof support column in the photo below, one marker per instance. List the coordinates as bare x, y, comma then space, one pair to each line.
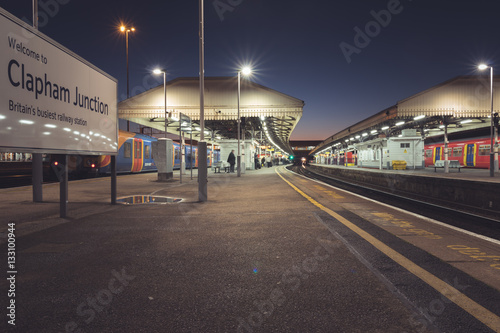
183, 156
422, 129
446, 169
495, 146
191, 154
381, 166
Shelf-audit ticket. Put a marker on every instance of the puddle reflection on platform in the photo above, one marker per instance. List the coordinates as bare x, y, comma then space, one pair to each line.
146, 199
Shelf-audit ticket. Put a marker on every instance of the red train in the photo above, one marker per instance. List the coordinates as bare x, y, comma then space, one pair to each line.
474, 153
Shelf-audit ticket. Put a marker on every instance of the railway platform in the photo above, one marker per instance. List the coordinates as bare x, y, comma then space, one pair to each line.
482, 175
268, 252
472, 190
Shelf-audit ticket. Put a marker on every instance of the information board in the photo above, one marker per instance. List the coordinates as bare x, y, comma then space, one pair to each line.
52, 100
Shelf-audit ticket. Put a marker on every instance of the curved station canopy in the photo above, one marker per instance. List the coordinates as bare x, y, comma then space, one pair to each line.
459, 104
265, 113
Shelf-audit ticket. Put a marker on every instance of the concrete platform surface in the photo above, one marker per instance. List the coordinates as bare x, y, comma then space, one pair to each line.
254, 258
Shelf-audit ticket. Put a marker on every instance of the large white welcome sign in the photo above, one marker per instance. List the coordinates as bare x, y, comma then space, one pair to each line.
51, 100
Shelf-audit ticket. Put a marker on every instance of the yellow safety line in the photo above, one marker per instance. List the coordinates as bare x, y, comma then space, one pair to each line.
479, 312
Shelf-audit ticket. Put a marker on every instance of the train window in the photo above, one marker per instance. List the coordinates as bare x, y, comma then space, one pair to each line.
428, 153
405, 145
484, 150
457, 152
127, 151
147, 151
177, 153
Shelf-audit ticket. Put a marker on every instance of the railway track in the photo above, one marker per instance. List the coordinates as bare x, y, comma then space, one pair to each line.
483, 222
7, 181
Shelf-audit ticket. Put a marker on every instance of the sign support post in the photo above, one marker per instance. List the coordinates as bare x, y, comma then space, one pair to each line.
37, 174
63, 188
113, 179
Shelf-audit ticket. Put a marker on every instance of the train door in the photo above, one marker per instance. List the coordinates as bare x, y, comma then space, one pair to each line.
437, 154
470, 155
177, 156
148, 158
137, 156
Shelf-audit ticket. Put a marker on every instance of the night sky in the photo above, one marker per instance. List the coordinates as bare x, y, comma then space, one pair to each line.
306, 49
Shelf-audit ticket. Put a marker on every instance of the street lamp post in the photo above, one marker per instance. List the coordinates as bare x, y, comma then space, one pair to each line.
127, 30
245, 71
492, 157
202, 144
157, 72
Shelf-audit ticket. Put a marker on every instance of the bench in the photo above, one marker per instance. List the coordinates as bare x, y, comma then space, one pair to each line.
453, 164
219, 165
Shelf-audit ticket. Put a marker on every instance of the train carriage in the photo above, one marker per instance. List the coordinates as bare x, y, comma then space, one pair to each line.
135, 155
473, 153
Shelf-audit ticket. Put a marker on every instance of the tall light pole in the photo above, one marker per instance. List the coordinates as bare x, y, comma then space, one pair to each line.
37, 162
202, 144
492, 157
127, 30
246, 71
35, 14
160, 71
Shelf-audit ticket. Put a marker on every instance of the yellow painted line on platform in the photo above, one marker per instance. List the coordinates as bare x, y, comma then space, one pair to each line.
334, 194
476, 310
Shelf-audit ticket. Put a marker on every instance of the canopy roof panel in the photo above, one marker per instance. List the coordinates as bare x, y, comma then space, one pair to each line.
462, 103
279, 112
463, 96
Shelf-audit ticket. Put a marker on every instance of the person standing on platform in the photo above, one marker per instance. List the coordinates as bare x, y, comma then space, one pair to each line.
231, 160
256, 161
269, 161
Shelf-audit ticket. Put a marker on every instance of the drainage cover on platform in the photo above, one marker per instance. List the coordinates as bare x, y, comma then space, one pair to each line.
146, 199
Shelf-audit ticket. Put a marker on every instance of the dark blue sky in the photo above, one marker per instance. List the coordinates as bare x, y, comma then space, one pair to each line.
294, 46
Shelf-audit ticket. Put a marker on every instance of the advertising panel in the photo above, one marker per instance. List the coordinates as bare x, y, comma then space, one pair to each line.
51, 100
